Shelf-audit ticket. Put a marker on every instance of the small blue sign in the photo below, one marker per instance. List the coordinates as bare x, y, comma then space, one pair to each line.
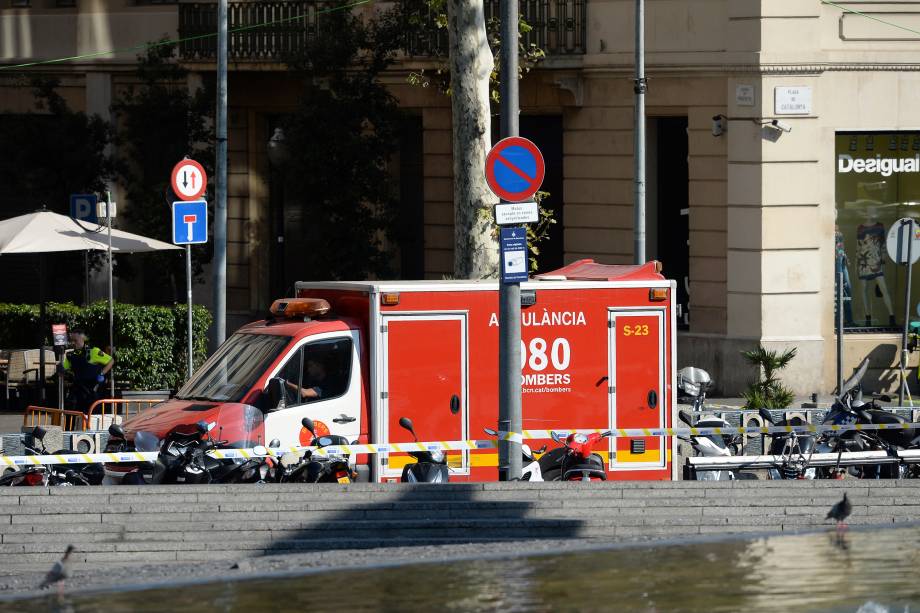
83, 207
514, 255
190, 222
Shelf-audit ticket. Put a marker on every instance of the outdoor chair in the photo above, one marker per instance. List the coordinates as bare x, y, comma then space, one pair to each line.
22, 370
15, 374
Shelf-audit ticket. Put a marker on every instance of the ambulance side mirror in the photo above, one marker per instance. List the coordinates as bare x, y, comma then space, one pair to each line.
455, 404
276, 394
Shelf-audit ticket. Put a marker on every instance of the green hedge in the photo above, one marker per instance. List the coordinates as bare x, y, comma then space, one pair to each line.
150, 341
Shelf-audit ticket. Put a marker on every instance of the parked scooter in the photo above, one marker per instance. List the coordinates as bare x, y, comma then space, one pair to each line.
54, 474
693, 384
578, 461
318, 467
711, 446
429, 466
530, 464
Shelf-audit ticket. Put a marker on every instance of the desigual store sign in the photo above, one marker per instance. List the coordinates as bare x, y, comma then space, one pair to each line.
877, 183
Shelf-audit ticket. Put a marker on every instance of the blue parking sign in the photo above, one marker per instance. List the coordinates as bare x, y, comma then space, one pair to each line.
83, 207
190, 222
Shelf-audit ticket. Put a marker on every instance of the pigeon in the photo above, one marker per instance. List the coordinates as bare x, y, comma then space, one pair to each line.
58, 572
840, 512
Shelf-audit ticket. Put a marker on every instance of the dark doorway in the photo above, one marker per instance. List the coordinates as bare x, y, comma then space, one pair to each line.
672, 214
410, 226
546, 133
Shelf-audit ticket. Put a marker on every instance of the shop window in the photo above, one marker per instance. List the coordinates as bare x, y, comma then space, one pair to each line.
877, 183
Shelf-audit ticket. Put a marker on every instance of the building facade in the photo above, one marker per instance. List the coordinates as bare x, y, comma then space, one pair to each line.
783, 143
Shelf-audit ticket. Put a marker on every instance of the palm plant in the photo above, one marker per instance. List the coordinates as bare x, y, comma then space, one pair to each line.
768, 391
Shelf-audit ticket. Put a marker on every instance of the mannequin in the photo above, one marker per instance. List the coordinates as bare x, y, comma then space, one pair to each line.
870, 262
842, 265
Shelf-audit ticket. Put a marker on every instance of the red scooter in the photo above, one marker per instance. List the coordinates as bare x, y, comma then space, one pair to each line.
577, 460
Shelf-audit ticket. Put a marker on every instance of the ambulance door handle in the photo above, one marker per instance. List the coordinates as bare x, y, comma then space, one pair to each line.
652, 399
344, 419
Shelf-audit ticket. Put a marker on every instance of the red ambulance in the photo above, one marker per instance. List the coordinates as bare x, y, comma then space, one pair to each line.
597, 351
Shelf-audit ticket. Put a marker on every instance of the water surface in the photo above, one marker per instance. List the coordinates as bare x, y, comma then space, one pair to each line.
867, 571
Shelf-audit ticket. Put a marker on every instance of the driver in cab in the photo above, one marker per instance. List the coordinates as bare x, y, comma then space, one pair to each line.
314, 381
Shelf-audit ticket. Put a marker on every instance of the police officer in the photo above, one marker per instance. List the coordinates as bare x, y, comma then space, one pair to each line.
89, 366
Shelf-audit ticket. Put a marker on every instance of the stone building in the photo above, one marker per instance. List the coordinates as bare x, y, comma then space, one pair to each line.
764, 117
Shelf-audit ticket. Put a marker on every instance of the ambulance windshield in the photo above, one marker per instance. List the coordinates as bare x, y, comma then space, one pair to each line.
232, 371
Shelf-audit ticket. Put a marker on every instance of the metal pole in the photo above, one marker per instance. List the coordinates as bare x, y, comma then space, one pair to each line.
910, 244
188, 295
509, 294
639, 144
839, 326
42, 273
86, 278
108, 217
220, 210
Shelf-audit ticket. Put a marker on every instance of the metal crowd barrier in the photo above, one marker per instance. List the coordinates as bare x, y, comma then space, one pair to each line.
73, 421
108, 411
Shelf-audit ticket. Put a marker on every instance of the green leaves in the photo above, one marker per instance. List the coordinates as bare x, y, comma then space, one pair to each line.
768, 391
150, 341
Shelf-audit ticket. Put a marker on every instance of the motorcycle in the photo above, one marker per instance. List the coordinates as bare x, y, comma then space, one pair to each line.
183, 454
850, 408
429, 466
793, 449
576, 460
55, 474
130, 473
531, 469
710, 446
314, 467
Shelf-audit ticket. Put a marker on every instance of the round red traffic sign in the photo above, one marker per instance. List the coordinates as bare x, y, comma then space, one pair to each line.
515, 169
189, 180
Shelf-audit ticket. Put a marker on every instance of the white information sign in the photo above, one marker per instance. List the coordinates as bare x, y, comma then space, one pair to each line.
516, 213
744, 95
897, 240
792, 100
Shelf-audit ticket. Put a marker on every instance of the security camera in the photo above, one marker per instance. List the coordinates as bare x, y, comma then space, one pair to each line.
718, 125
781, 125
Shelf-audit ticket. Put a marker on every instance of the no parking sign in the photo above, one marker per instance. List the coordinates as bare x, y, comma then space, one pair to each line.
515, 169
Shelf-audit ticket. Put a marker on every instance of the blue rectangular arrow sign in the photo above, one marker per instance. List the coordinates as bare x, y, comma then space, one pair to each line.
514, 255
190, 222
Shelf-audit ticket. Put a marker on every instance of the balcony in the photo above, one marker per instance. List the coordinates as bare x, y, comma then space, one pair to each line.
558, 29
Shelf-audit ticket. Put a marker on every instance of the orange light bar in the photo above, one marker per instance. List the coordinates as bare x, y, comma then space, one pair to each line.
291, 308
657, 294
389, 298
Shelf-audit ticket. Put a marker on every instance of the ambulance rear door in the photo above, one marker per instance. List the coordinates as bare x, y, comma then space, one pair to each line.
637, 371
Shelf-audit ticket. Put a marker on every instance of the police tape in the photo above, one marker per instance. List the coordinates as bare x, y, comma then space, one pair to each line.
460, 445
